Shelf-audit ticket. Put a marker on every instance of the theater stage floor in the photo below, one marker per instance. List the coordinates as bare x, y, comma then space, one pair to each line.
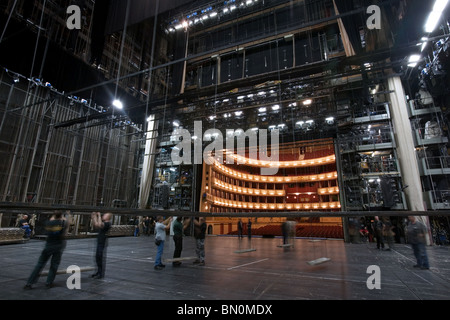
268, 272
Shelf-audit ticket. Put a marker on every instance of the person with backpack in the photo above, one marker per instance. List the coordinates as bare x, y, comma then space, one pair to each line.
56, 228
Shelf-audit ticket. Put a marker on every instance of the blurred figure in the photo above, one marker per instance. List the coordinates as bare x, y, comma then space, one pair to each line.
239, 224
416, 232
56, 228
249, 228
25, 226
102, 223
178, 230
364, 233
378, 229
200, 235
136, 227
161, 227
285, 232
353, 230
146, 225
388, 232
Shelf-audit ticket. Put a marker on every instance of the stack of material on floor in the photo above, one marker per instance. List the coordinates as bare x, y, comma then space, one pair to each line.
117, 231
11, 234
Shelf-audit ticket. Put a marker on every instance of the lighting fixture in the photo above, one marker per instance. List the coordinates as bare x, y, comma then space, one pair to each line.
413, 60
307, 102
435, 15
118, 104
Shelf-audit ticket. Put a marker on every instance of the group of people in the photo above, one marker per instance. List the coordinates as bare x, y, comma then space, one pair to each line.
240, 228
57, 228
179, 226
58, 225
147, 225
416, 233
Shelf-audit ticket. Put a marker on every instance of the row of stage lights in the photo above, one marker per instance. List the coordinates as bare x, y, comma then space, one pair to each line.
432, 22
210, 12
72, 98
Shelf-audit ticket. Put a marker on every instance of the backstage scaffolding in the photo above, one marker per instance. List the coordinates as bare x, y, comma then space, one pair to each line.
48, 160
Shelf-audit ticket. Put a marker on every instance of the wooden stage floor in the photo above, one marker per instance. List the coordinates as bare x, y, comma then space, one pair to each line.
267, 272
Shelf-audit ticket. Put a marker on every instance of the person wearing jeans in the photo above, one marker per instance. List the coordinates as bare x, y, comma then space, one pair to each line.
416, 232
161, 227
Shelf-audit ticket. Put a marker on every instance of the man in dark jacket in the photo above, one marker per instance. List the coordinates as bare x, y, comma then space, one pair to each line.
56, 228
200, 235
178, 230
102, 224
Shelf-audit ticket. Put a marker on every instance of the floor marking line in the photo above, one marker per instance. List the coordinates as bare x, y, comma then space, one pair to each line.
247, 264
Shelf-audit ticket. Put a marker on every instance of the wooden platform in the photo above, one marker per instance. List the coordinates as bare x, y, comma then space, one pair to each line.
64, 271
179, 259
318, 261
244, 250
287, 245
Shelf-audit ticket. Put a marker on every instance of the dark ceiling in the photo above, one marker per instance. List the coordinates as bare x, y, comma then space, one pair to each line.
67, 73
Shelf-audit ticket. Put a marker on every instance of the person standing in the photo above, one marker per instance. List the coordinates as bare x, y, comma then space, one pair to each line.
240, 229
56, 228
200, 235
378, 228
24, 224
178, 229
136, 227
388, 233
102, 223
249, 228
416, 232
285, 232
161, 228
146, 225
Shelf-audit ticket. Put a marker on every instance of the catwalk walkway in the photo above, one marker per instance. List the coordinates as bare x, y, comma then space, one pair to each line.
269, 272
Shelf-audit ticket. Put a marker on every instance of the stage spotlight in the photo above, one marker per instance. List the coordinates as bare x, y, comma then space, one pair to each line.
118, 104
